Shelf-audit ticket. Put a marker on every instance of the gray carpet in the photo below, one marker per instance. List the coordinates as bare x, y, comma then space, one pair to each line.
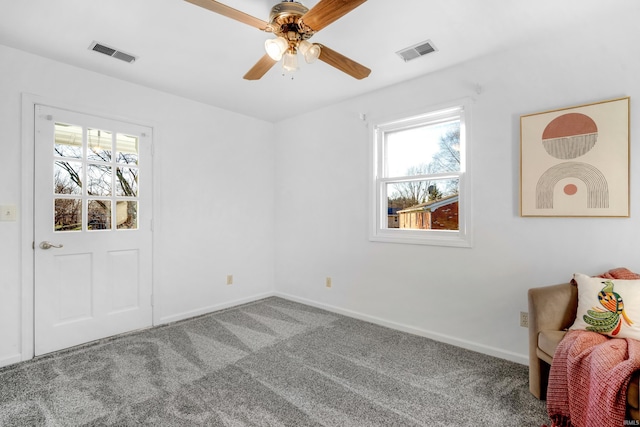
269, 363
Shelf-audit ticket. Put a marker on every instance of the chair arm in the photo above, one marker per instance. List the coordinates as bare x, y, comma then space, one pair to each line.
550, 308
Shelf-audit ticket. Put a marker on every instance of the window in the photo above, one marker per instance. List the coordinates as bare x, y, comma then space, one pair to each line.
420, 190
85, 170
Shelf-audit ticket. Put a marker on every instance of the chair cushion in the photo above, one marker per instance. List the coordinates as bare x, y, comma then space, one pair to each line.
549, 340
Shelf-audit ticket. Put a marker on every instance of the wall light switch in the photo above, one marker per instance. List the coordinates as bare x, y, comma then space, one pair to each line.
8, 213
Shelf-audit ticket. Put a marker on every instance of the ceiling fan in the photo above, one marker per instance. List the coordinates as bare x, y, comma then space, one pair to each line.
293, 24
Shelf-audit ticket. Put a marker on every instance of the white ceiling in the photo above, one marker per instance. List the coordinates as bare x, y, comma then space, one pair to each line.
192, 52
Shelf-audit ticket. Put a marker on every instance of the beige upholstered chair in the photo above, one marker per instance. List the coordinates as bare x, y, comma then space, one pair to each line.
552, 309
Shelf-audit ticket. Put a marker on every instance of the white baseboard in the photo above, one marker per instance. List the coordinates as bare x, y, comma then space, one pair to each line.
10, 360
469, 345
211, 308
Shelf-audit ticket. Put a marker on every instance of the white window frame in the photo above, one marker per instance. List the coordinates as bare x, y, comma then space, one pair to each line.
378, 230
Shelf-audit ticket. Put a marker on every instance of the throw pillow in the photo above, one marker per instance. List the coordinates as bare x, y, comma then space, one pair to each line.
608, 306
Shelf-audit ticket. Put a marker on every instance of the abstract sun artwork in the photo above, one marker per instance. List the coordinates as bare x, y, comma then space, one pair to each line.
575, 161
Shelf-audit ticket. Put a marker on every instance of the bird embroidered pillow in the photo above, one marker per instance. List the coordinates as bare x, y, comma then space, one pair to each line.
608, 306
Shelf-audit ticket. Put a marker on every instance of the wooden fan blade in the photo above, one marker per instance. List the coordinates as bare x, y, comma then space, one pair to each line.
232, 13
260, 69
328, 11
343, 63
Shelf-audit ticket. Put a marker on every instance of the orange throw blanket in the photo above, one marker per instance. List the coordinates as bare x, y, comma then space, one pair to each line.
589, 378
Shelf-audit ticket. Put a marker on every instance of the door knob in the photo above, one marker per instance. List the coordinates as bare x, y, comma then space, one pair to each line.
48, 245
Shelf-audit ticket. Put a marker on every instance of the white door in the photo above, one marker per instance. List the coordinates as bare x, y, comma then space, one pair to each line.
92, 227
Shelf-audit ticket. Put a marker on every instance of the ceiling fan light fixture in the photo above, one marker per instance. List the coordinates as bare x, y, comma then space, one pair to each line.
292, 24
310, 51
290, 61
276, 47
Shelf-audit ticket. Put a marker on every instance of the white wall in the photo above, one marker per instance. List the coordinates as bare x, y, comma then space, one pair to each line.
471, 297
213, 195
216, 171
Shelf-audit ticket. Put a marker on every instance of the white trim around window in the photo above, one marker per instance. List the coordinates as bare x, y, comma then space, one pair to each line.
381, 177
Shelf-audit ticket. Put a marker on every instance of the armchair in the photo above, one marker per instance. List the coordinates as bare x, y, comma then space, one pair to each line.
552, 309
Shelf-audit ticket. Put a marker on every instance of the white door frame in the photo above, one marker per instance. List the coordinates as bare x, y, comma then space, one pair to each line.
29, 101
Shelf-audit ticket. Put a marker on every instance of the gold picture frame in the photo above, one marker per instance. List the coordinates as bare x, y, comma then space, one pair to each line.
574, 162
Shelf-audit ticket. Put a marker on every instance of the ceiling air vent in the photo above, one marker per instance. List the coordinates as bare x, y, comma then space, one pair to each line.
417, 51
98, 47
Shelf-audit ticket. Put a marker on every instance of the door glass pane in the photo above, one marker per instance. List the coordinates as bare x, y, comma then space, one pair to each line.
95, 168
67, 177
99, 215
68, 141
68, 215
127, 182
127, 149
99, 142
127, 215
99, 180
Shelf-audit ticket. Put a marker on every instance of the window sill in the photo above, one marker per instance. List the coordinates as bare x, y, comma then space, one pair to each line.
411, 237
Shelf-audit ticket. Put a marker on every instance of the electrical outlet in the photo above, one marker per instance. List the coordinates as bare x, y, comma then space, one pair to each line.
524, 319
8, 213
327, 282
230, 279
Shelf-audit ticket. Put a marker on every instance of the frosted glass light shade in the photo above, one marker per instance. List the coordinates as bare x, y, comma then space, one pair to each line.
290, 62
276, 47
304, 46
312, 54
310, 51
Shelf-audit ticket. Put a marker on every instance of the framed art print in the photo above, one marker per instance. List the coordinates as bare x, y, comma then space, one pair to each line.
575, 161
